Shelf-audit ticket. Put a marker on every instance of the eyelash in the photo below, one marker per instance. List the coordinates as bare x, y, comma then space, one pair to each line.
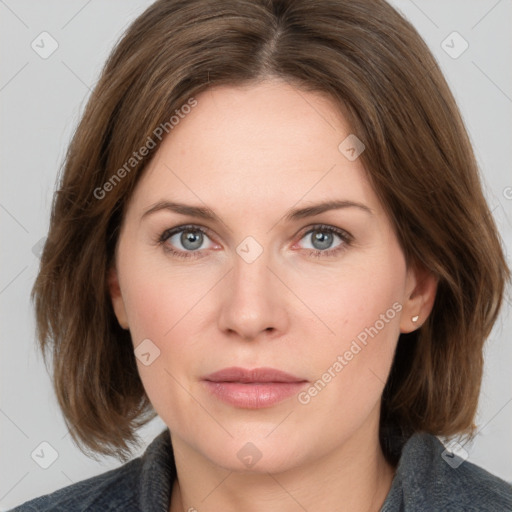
344, 236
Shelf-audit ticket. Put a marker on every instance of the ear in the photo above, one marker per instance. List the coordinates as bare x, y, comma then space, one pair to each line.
421, 290
117, 298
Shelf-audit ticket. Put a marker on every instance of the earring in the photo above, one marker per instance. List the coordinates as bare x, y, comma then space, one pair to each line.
415, 318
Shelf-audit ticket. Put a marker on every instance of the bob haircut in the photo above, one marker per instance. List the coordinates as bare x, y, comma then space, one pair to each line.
373, 64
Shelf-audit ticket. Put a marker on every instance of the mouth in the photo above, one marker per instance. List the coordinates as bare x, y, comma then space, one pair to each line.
253, 389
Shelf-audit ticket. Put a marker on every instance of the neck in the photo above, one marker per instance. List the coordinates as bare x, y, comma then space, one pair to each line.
352, 477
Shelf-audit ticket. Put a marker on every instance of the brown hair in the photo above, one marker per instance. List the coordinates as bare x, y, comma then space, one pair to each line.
376, 67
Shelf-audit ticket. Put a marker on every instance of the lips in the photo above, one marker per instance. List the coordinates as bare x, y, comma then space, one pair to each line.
253, 389
256, 375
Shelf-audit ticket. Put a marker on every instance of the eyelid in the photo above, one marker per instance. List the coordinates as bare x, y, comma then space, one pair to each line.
344, 234
167, 233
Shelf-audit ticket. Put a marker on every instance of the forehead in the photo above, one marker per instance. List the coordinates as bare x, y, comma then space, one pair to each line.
256, 146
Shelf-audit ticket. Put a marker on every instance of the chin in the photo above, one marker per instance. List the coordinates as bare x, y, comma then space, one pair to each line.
259, 456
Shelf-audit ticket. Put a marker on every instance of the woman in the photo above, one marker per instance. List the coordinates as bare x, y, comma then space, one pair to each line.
270, 232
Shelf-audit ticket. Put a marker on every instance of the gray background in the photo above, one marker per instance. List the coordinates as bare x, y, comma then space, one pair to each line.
41, 100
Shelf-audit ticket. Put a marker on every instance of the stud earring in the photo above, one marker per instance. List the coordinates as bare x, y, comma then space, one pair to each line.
415, 318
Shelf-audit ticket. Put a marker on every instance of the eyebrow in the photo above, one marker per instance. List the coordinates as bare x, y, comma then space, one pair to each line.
294, 214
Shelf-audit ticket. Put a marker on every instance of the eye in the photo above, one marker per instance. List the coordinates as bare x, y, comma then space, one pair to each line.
188, 240
322, 239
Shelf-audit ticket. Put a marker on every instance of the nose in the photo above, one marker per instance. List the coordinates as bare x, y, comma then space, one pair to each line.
253, 302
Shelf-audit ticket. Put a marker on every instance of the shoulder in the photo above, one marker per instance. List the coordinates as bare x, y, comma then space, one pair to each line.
429, 477
141, 484
113, 490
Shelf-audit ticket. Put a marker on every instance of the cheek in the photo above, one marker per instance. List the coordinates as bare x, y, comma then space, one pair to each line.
165, 305
363, 299
159, 298
362, 312
160, 310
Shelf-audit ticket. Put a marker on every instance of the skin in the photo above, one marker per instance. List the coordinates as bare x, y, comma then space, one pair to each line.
251, 154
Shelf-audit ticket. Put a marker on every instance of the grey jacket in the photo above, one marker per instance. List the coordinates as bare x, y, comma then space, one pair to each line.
424, 482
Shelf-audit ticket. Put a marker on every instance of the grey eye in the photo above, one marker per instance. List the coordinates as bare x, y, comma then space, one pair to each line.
191, 239
188, 239
321, 239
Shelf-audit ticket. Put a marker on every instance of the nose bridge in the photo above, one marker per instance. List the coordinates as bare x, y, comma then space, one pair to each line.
250, 279
251, 303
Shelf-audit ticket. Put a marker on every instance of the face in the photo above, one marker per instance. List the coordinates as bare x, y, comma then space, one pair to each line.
263, 281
